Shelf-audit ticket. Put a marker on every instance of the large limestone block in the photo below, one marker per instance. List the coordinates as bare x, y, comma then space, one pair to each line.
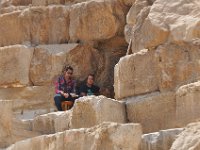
178, 65
36, 25
168, 20
92, 110
52, 122
187, 103
154, 111
29, 97
189, 138
11, 29
161, 140
98, 26
5, 123
135, 74
14, 70
48, 61
165, 69
106, 136
46, 24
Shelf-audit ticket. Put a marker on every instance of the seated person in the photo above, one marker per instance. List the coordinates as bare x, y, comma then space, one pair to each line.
65, 88
89, 88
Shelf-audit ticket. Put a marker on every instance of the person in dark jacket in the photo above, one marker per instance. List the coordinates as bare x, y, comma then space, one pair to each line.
65, 88
89, 88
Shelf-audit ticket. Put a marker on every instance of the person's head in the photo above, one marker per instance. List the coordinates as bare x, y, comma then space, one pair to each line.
68, 71
90, 79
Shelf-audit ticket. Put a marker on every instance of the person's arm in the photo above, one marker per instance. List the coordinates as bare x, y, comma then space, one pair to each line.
58, 87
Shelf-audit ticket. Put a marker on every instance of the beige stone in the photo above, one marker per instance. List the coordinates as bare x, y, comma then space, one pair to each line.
98, 26
47, 2
85, 60
14, 70
46, 24
52, 122
36, 25
135, 74
29, 97
165, 23
189, 138
178, 65
5, 123
165, 69
48, 61
105, 136
7, 3
187, 103
161, 140
155, 111
91, 110
10, 34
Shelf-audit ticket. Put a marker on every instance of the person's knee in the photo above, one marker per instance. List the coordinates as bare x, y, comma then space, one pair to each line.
57, 98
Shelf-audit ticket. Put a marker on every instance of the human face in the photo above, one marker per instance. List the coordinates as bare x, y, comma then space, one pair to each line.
90, 80
68, 74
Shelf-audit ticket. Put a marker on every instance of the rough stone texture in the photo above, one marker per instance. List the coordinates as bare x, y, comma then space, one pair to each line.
29, 97
106, 136
46, 24
165, 22
85, 60
189, 138
48, 61
91, 110
5, 123
161, 140
88, 23
52, 122
178, 65
154, 111
135, 18
165, 69
133, 76
14, 70
187, 103
36, 25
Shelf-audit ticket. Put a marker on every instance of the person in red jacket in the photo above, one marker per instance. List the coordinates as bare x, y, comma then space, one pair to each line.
65, 88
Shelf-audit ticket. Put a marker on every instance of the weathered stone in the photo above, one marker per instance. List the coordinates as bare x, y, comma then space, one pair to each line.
52, 122
98, 26
178, 65
14, 70
164, 69
47, 62
187, 103
189, 138
106, 136
91, 110
156, 111
85, 60
47, 2
29, 97
161, 140
46, 24
36, 25
5, 123
135, 74
165, 22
